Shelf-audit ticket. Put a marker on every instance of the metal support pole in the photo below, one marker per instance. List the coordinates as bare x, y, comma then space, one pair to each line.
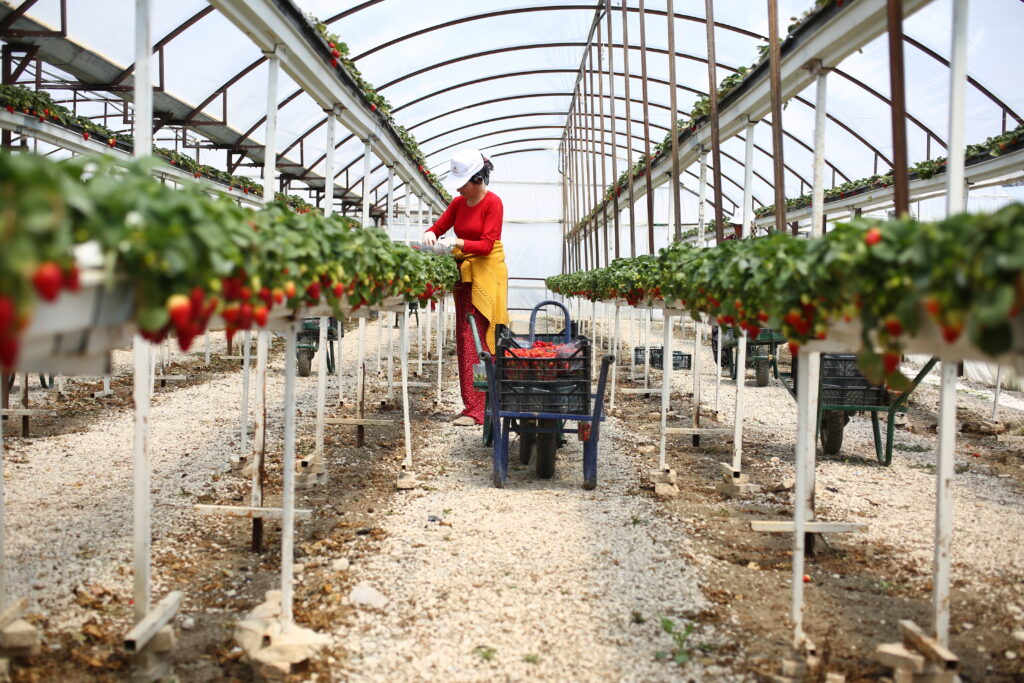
666, 384
288, 485
246, 372
206, 352
406, 423
338, 374
3, 516
818, 192
270, 146
774, 57
702, 195
647, 349
629, 131
716, 159
616, 344
803, 499
897, 94
259, 463
649, 198
999, 386
698, 328
380, 342
718, 368
748, 181
392, 320
367, 149
741, 371
361, 382
440, 342
603, 154
675, 189
944, 503
328, 207
615, 136
321, 388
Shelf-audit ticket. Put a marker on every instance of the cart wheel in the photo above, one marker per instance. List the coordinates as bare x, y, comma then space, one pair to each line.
305, 362
488, 429
546, 445
527, 440
832, 424
762, 370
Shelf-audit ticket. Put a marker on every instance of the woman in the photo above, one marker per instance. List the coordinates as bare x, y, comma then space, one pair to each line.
476, 215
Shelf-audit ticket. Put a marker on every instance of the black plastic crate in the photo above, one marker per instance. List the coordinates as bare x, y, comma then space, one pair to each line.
843, 383
544, 385
680, 360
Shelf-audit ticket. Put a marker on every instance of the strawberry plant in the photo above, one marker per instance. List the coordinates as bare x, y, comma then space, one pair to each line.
188, 255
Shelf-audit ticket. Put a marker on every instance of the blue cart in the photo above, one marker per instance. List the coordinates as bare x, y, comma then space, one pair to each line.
537, 397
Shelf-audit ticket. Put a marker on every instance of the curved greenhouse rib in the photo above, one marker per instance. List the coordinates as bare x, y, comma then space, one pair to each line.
162, 43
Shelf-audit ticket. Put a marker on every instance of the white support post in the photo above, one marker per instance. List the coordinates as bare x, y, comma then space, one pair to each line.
141, 471
647, 348
666, 385
141, 349
390, 202
748, 180
3, 526
718, 368
440, 344
995, 398
366, 182
361, 371
392, 319
332, 122
243, 453
634, 336
698, 328
430, 331
408, 216
615, 352
818, 190
270, 146
419, 343
380, 341
288, 487
702, 193
321, 387
803, 500
955, 203
260, 417
406, 423
206, 348
338, 374
737, 427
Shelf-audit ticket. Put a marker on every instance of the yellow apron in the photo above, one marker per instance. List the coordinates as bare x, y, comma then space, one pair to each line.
489, 276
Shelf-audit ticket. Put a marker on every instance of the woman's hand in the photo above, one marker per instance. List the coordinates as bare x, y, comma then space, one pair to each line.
429, 239
461, 244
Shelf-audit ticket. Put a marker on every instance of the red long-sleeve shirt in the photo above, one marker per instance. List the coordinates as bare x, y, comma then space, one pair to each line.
478, 226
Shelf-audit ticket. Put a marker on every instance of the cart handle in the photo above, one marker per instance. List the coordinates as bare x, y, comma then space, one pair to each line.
533, 319
476, 333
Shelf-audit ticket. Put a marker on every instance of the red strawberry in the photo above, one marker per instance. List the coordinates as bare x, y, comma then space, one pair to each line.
8, 351
334, 63
762, 316
338, 290
10, 109
893, 327
952, 332
230, 315
932, 305
794, 349
289, 289
47, 280
873, 236
266, 297
278, 295
196, 297
245, 316
180, 308
259, 314
7, 312
111, 142
70, 279
85, 136
373, 107
891, 362
245, 294
313, 291
335, 53
753, 331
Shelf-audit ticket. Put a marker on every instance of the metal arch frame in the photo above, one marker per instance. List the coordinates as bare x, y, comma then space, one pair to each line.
734, 204
159, 45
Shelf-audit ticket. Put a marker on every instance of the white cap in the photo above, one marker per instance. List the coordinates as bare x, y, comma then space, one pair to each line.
466, 163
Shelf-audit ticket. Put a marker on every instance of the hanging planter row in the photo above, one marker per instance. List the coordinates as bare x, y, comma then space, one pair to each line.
189, 260
871, 285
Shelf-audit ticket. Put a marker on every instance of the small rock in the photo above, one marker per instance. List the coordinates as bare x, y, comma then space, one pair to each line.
774, 460
664, 491
654, 415
340, 565
646, 449
298, 568
187, 623
366, 595
1018, 635
433, 518
1010, 654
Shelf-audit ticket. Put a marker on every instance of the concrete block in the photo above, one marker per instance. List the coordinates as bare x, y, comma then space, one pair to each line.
794, 668
407, 481
665, 476
833, 677
730, 490
19, 635
165, 640
665, 491
899, 656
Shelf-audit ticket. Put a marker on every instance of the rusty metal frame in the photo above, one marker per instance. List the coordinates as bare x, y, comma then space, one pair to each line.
7, 32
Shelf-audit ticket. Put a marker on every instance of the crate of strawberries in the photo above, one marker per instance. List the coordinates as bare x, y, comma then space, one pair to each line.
544, 376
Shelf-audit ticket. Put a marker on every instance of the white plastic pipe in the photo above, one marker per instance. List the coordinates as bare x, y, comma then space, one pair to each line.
206, 345
338, 374
366, 182
615, 352
944, 504
328, 207
737, 427
406, 423
321, 387
748, 181
260, 430
440, 344
999, 386
702, 193
270, 145
806, 416
361, 369
818, 190
246, 371
718, 367
288, 485
666, 385
392, 319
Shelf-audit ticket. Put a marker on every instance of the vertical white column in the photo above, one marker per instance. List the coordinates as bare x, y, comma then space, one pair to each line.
141, 349
748, 181
698, 328
408, 219
737, 427
955, 203
647, 348
321, 387
246, 345
288, 486
440, 343
332, 122
391, 197
999, 386
260, 430
3, 526
391, 357
366, 183
406, 423
337, 365
818, 191
361, 369
206, 348
615, 352
702, 193
270, 145
380, 340
666, 384
807, 416
718, 368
